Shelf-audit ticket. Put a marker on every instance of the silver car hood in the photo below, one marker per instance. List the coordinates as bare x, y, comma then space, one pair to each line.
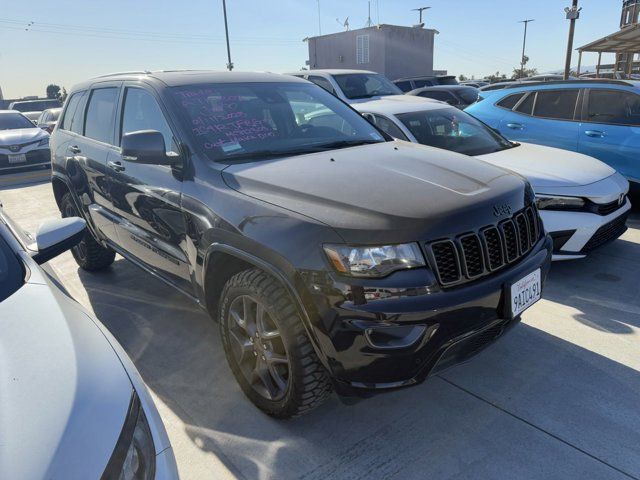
21, 135
64, 393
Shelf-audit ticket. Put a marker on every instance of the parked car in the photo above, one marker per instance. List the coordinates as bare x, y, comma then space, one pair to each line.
459, 96
216, 183
599, 118
547, 77
73, 404
351, 86
22, 144
48, 119
411, 83
33, 108
499, 86
475, 83
583, 202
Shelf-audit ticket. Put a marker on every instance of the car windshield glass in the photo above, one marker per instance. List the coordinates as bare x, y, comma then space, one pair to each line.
11, 272
254, 121
13, 121
35, 106
365, 85
451, 129
469, 95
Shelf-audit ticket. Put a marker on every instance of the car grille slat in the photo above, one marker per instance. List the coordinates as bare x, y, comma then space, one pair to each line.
473, 255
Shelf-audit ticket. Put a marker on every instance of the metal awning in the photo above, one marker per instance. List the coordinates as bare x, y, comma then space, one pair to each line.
623, 41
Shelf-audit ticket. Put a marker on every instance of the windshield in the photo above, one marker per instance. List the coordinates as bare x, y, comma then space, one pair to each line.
11, 272
365, 85
469, 95
35, 106
13, 121
259, 120
452, 129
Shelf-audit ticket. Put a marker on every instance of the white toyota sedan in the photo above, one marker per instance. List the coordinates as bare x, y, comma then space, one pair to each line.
582, 201
72, 404
22, 143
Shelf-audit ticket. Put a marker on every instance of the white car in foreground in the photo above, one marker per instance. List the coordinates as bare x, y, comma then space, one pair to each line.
22, 144
582, 201
72, 405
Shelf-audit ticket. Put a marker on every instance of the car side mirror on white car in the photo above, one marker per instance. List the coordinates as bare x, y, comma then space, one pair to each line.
57, 236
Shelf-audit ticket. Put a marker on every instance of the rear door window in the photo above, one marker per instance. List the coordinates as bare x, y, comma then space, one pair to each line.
101, 114
556, 104
510, 101
613, 107
526, 106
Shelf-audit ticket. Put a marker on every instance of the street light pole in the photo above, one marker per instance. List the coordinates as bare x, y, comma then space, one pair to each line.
226, 31
524, 45
573, 14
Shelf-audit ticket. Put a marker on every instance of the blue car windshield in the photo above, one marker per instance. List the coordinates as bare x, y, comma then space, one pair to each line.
255, 121
452, 129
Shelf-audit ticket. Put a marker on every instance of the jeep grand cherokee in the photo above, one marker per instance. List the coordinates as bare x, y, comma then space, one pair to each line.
332, 256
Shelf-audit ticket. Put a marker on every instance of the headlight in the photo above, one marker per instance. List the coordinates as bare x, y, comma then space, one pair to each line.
559, 203
374, 262
134, 457
44, 142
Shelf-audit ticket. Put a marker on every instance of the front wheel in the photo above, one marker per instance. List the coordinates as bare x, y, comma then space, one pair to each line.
88, 253
267, 347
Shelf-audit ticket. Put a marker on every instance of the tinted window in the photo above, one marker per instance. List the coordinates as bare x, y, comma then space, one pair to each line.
510, 101
258, 120
613, 106
447, 81
142, 112
468, 95
11, 271
436, 95
321, 82
557, 104
35, 106
13, 121
452, 129
526, 106
70, 110
404, 86
100, 114
423, 83
365, 85
388, 126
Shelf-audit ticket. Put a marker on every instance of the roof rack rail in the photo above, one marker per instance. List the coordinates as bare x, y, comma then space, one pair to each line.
115, 74
609, 81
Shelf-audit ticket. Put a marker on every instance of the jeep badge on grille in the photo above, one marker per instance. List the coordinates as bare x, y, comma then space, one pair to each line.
502, 210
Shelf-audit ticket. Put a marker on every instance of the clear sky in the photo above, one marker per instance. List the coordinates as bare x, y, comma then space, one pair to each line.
71, 40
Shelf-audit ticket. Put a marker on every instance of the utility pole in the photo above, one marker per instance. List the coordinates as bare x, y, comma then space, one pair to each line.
524, 45
421, 9
319, 24
226, 31
573, 14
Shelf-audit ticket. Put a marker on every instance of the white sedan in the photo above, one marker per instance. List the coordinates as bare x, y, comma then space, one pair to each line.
583, 202
22, 144
72, 405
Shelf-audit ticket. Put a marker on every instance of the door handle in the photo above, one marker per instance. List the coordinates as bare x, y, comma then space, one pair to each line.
515, 126
74, 149
115, 166
595, 133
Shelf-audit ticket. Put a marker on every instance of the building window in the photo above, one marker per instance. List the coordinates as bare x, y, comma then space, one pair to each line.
362, 49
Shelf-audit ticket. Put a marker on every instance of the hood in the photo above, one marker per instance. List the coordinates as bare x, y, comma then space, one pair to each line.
64, 394
400, 99
21, 136
396, 190
550, 167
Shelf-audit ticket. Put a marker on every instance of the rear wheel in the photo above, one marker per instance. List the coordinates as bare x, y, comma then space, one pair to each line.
267, 347
89, 254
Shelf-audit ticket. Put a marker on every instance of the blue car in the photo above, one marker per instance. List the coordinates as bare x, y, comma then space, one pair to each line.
600, 118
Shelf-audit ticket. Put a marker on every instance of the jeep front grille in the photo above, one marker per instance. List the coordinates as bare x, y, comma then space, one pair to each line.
472, 255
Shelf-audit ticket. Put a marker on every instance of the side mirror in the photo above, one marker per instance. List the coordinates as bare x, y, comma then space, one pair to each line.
57, 236
145, 146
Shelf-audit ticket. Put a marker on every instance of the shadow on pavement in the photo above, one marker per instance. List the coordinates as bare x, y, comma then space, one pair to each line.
455, 425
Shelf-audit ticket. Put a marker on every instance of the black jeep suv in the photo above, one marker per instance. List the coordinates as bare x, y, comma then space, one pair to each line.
332, 256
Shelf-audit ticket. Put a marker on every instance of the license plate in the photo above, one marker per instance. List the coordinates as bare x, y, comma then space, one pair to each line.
20, 158
525, 292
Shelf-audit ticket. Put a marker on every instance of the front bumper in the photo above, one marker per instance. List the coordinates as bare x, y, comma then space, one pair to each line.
577, 233
33, 157
394, 332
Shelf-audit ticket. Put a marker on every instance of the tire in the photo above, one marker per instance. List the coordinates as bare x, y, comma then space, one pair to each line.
89, 254
263, 339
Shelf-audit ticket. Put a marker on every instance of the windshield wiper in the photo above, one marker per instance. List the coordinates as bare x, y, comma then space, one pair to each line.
344, 144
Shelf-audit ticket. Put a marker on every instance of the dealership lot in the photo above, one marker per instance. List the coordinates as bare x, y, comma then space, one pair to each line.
558, 396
